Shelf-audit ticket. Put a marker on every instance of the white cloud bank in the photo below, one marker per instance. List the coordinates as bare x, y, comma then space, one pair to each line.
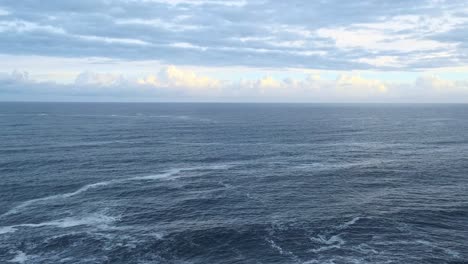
173, 83
173, 77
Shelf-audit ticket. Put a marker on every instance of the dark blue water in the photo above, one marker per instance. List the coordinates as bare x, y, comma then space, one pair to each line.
233, 183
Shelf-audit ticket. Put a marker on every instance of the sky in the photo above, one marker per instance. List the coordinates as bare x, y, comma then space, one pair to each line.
394, 51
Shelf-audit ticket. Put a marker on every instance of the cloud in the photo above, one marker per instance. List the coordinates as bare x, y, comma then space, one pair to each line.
374, 40
158, 23
329, 34
173, 77
439, 85
268, 83
4, 12
200, 2
235, 50
357, 85
21, 26
172, 83
99, 79
382, 61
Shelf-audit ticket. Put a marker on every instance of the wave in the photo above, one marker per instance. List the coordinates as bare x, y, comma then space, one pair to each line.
450, 252
365, 249
156, 176
334, 241
349, 223
7, 229
98, 220
321, 166
282, 251
56, 196
275, 246
137, 115
91, 143
325, 248
182, 117
330, 243
20, 257
88, 187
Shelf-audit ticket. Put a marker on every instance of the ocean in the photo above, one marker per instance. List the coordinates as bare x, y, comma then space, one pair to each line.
233, 183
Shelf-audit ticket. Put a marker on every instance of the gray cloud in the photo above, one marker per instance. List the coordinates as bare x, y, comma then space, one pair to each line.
338, 35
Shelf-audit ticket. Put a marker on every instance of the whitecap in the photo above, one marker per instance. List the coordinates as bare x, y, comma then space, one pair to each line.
6, 230
87, 187
451, 252
90, 143
56, 196
336, 239
329, 243
157, 176
275, 246
327, 166
210, 167
349, 223
96, 220
365, 248
281, 250
20, 257
158, 236
325, 248
447, 251
181, 117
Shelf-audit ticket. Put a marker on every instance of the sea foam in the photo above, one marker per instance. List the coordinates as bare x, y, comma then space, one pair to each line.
88, 187
96, 220
20, 257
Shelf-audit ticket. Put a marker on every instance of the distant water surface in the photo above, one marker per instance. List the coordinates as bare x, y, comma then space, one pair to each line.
233, 183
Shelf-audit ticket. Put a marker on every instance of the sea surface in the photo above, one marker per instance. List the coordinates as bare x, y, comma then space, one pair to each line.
233, 183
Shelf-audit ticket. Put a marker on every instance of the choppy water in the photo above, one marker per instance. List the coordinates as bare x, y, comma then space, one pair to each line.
233, 183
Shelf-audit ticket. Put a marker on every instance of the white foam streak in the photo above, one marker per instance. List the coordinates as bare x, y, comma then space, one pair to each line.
88, 187
281, 250
20, 257
53, 197
320, 249
333, 242
157, 176
7, 229
98, 220
276, 247
92, 220
349, 223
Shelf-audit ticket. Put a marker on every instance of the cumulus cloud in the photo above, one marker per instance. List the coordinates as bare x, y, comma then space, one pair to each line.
439, 85
99, 79
173, 77
268, 83
358, 86
172, 83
